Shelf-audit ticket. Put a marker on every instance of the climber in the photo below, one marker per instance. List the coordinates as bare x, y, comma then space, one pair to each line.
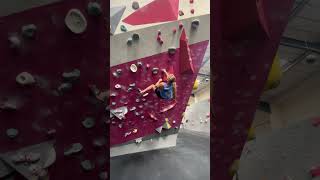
164, 89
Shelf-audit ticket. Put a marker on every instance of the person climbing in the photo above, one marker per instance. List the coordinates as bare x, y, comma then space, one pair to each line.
163, 89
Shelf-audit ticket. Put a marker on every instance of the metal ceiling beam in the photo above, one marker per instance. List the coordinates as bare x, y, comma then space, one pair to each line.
298, 44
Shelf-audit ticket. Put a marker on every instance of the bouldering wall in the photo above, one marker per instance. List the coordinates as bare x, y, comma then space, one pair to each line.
52, 118
144, 40
246, 38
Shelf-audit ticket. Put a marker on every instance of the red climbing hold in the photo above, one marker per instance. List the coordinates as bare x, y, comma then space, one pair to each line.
186, 65
153, 13
192, 11
180, 25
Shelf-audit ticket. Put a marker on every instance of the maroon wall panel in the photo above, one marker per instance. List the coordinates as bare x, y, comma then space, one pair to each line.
246, 37
53, 51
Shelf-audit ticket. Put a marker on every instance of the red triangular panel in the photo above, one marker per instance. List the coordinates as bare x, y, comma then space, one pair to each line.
155, 12
186, 65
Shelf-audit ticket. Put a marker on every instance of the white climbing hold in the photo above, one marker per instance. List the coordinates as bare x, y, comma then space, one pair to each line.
133, 68
138, 140
14, 41
117, 86
25, 78
159, 129
75, 21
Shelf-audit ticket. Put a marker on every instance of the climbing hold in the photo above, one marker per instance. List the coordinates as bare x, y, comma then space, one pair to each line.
155, 70
119, 71
132, 85
94, 9
133, 68
137, 113
140, 106
75, 21
173, 122
137, 100
123, 28
99, 142
133, 108
139, 64
192, 11
71, 76
120, 125
144, 98
142, 117
135, 37
191, 1
166, 125
29, 31
127, 134
138, 140
120, 112
159, 129
129, 41
171, 50
148, 66
152, 116
174, 30
15, 42
135, 131
129, 89
113, 94
234, 168
89, 122
195, 23
159, 33
144, 95
12, 133
117, 86
135, 5
51, 132
161, 42
103, 176
87, 165
25, 78
75, 148
115, 74
64, 87
181, 13
180, 25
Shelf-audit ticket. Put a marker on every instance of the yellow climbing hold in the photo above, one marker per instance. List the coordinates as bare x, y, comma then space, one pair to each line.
166, 125
234, 168
275, 75
251, 134
196, 85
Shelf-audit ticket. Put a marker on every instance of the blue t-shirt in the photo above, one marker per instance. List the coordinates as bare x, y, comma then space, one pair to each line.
166, 92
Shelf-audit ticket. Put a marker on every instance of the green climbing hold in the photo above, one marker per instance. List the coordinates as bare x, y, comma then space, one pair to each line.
87, 165
94, 9
12, 133
89, 122
123, 28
